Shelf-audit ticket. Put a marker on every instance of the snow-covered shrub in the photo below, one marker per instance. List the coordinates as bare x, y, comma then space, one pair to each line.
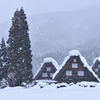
27, 85
3, 83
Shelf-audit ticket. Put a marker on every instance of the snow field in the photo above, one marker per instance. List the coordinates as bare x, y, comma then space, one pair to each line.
51, 92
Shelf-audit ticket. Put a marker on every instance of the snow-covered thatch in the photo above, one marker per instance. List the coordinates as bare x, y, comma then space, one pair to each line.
96, 59
47, 60
74, 53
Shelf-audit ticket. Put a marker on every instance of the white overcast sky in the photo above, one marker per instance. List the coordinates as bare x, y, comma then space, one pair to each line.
33, 7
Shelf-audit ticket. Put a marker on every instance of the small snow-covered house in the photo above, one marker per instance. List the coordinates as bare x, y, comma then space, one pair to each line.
75, 69
46, 70
96, 66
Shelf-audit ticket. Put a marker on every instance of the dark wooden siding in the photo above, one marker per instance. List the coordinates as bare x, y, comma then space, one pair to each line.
95, 66
44, 70
88, 76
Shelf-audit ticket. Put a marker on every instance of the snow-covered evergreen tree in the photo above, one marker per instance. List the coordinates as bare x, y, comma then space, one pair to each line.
19, 52
3, 60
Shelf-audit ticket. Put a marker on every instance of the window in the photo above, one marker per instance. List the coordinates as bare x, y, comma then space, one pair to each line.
44, 75
74, 65
74, 60
96, 70
69, 73
51, 74
48, 68
80, 73
98, 66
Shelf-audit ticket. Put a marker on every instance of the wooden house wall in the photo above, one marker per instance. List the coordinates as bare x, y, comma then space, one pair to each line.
62, 77
95, 66
44, 70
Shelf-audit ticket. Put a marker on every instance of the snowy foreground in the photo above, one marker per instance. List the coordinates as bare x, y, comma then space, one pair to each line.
43, 91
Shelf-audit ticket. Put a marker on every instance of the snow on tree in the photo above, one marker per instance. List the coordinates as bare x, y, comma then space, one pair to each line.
19, 52
3, 60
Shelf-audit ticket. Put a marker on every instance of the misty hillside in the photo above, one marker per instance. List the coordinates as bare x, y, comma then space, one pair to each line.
54, 34
64, 30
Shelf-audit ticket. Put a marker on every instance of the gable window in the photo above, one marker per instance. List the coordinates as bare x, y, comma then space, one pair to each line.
96, 70
74, 65
69, 73
44, 75
74, 60
80, 73
48, 68
98, 66
51, 74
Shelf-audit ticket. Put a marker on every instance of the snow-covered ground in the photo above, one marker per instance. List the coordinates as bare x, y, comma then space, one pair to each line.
80, 91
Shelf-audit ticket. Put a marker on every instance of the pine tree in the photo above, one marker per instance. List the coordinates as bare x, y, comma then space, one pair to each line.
3, 60
19, 52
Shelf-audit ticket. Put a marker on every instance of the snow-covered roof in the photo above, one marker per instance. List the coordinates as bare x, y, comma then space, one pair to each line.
53, 61
47, 60
76, 53
60, 67
96, 59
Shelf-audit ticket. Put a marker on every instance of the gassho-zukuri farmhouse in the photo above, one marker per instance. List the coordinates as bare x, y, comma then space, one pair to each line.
74, 69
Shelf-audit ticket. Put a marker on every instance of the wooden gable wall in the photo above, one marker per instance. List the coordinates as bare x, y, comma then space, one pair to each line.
96, 68
44, 70
62, 77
